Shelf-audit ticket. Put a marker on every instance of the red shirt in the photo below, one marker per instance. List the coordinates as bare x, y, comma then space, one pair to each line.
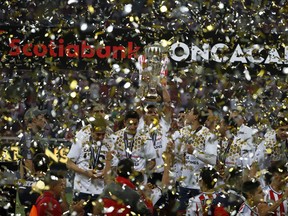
114, 207
47, 204
125, 181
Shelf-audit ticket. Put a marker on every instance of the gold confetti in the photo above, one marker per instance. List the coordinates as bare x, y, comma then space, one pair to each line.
268, 151
91, 9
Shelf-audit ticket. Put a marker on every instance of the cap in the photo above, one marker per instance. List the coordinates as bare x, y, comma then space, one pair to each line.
99, 124
33, 112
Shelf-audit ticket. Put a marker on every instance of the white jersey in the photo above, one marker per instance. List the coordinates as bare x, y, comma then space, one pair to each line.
270, 150
158, 139
205, 145
178, 157
242, 150
137, 147
200, 204
88, 155
272, 196
155, 195
246, 210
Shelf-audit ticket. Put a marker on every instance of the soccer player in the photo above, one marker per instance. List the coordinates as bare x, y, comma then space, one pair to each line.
200, 204
276, 189
229, 198
198, 148
130, 143
242, 149
274, 147
87, 159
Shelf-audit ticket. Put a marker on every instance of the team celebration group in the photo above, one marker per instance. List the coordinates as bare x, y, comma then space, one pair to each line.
196, 161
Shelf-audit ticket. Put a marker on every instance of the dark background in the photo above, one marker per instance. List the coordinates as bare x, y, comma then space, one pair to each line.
30, 81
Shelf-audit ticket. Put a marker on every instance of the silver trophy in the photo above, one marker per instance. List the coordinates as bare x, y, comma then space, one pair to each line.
152, 67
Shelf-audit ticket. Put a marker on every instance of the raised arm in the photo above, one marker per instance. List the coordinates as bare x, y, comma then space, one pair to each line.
168, 163
167, 109
107, 172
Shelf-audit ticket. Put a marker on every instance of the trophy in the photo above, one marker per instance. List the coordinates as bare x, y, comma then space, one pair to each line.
153, 68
